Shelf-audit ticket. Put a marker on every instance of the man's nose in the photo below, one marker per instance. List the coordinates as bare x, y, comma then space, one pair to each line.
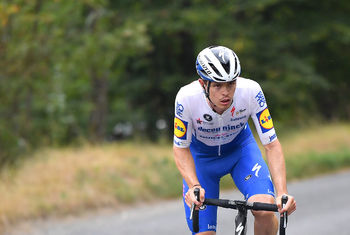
225, 90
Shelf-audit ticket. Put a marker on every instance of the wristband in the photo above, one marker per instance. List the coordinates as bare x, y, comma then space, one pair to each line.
196, 185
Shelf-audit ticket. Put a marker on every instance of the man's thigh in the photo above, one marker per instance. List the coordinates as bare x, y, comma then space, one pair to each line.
251, 174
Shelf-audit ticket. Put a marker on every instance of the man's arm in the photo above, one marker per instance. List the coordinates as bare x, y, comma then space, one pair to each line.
185, 164
277, 167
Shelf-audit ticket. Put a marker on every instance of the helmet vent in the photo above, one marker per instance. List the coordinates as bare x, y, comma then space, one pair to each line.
235, 65
219, 79
226, 67
203, 72
215, 69
207, 58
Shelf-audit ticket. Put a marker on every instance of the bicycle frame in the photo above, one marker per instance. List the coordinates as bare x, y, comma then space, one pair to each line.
241, 217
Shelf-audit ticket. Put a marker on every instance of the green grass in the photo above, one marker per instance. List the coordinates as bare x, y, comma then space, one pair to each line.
310, 164
57, 182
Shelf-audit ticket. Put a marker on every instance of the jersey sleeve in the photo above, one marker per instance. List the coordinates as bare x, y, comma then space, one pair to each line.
182, 122
261, 116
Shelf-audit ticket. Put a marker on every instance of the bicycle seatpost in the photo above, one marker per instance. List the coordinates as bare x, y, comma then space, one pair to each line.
284, 217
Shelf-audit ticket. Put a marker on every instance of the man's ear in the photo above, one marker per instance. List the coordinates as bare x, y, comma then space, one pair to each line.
201, 82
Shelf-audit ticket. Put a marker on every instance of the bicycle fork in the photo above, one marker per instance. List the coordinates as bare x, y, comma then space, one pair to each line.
241, 220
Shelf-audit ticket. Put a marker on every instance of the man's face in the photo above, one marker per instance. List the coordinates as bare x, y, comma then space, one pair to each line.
221, 94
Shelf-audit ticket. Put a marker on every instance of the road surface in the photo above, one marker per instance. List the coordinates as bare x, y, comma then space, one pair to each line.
323, 208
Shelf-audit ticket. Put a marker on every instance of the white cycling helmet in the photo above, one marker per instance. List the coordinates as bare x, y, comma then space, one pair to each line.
218, 64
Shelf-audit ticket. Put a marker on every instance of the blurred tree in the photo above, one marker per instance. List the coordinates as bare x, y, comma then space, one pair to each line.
72, 70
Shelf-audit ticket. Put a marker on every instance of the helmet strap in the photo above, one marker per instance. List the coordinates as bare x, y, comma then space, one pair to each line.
206, 92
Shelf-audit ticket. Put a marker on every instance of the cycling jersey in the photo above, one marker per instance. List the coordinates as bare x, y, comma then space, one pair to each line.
197, 124
223, 144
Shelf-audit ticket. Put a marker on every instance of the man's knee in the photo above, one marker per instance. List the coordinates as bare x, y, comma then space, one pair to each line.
207, 233
264, 215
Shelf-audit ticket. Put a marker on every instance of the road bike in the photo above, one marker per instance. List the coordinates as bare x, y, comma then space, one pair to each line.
242, 206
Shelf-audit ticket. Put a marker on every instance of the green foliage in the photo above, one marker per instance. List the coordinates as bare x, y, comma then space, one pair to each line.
72, 70
311, 164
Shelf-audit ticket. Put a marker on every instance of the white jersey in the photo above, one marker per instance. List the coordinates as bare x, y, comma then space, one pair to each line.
194, 118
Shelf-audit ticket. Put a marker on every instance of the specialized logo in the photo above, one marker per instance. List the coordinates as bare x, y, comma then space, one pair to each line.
256, 168
260, 98
233, 111
240, 228
179, 109
265, 120
222, 55
180, 128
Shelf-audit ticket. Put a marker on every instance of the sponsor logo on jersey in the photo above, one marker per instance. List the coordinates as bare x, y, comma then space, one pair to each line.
256, 169
208, 117
178, 143
238, 118
233, 111
265, 120
236, 112
180, 128
260, 98
199, 121
272, 137
179, 109
224, 128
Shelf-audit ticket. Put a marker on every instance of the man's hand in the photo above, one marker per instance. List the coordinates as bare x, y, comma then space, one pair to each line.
190, 197
290, 207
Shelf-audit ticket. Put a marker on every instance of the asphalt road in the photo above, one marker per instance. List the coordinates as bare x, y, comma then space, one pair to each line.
323, 208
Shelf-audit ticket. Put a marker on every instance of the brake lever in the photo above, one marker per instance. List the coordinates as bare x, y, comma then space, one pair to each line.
284, 217
195, 213
193, 206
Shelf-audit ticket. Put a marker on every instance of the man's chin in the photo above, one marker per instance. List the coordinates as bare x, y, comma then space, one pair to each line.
225, 106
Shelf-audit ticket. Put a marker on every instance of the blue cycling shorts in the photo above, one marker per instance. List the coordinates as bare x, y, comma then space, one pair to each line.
248, 170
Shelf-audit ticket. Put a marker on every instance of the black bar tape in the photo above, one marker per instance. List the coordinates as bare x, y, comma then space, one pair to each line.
259, 206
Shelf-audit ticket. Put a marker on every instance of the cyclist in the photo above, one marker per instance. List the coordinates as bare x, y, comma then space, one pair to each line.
212, 138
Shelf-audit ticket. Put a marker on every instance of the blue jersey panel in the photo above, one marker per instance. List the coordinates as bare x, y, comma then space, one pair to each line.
242, 159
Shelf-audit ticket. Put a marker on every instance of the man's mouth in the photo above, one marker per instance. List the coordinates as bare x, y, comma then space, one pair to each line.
225, 101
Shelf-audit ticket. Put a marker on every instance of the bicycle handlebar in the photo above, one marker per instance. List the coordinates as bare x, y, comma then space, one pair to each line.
236, 204
233, 204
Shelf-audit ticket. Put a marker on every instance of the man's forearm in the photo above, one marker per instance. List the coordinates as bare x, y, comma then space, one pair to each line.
185, 164
277, 167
